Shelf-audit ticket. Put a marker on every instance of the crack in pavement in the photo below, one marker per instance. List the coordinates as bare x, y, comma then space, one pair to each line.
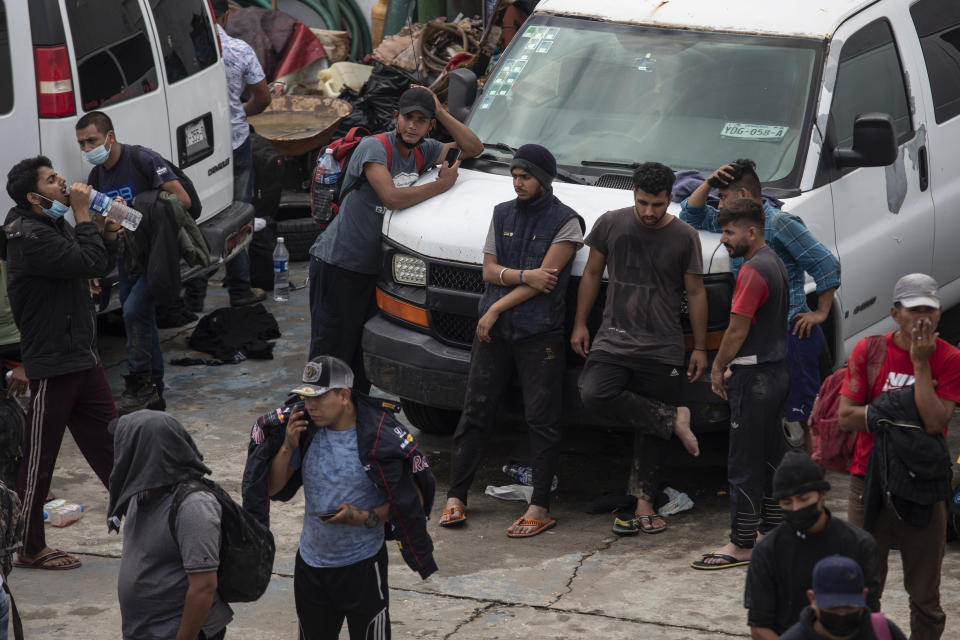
607, 543
489, 603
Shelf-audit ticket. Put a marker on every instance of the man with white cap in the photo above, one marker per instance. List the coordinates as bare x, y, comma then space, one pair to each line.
838, 609
914, 356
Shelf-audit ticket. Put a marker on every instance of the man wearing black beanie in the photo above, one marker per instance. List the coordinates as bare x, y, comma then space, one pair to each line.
526, 268
780, 565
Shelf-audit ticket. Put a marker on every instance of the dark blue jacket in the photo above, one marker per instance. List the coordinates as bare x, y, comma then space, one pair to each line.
523, 233
390, 456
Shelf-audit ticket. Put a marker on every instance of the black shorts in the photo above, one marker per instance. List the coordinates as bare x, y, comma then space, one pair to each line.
357, 592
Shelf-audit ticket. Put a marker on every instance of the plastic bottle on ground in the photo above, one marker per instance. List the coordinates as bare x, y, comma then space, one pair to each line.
281, 272
60, 513
523, 473
103, 205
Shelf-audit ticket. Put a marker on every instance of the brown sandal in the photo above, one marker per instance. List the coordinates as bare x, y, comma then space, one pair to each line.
459, 516
540, 525
41, 562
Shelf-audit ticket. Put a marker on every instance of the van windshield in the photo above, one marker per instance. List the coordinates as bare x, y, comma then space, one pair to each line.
600, 92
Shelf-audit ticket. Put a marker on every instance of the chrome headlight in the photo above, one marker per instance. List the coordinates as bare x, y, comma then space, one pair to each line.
409, 270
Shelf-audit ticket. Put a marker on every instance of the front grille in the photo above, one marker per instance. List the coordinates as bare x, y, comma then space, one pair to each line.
452, 327
615, 181
456, 278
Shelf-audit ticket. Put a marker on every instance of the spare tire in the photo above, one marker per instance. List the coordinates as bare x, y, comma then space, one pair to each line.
298, 235
430, 419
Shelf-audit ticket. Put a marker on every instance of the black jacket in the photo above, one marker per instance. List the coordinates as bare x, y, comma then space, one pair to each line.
907, 464
388, 453
48, 267
803, 629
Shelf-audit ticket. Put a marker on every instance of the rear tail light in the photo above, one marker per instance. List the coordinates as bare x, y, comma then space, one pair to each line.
215, 30
54, 82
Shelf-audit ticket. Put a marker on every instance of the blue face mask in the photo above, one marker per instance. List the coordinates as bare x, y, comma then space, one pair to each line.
57, 209
97, 156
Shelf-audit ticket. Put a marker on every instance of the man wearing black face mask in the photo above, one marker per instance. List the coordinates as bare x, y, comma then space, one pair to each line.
838, 610
779, 573
380, 176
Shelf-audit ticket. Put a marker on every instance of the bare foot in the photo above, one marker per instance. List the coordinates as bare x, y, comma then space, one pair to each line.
655, 522
729, 549
681, 428
533, 513
452, 514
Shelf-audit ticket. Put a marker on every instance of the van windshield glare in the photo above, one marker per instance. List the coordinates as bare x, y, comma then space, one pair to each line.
595, 93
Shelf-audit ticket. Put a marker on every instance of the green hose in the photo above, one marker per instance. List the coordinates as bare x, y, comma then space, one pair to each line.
323, 12
363, 32
334, 10
396, 18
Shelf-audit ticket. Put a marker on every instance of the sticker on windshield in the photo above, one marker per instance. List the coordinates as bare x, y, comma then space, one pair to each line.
754, 131
488, 101
646, 64
545, 46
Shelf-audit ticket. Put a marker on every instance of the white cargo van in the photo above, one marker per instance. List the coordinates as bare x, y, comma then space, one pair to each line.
153, 66
849, 107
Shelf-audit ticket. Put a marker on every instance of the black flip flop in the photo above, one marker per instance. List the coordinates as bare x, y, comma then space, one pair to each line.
728, 562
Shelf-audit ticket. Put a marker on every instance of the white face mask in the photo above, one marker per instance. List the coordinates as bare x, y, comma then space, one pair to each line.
98, 155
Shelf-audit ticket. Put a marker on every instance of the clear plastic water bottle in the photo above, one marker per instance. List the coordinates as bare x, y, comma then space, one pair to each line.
103, 205
324, 184
60, 513
281, 272
523, 473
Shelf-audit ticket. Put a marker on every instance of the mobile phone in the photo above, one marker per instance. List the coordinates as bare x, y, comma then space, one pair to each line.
453, 154
323, 515
288, 410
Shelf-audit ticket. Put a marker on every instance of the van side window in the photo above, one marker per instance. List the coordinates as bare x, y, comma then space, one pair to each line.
938, 27
114, 60
6, 69
870, 79
186, 37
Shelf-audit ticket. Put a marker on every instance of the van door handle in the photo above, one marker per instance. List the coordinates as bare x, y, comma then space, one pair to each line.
924, 171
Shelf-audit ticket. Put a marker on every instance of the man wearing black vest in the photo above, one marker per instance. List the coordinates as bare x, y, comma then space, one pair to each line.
526, 267
750, 371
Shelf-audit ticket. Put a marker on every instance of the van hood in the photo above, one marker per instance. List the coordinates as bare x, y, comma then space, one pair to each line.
453, 225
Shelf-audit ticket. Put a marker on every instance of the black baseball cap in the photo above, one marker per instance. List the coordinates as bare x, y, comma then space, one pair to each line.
417, 99
838, 582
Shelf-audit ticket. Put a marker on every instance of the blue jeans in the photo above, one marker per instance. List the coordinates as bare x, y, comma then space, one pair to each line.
144, 356
4, 614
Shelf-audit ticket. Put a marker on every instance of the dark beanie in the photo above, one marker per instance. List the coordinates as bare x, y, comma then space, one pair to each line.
797, 473
537, 161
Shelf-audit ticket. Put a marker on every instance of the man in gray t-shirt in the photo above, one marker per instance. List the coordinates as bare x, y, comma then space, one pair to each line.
635, 366
380, 176
167, 584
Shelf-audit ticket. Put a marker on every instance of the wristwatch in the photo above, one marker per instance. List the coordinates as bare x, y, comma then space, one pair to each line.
372, 521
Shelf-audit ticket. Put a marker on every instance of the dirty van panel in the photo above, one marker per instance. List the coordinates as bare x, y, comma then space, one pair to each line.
600, 91
114, 58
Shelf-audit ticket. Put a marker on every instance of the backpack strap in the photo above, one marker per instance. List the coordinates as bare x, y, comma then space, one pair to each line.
881, 629
14, 614
180, 494
136, 155
876, 353
417, 152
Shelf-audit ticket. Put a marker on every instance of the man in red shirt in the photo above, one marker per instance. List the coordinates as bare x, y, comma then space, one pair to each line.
750, 370
915, 356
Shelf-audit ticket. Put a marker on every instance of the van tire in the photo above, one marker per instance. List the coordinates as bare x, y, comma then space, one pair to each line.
431, 419
299, 236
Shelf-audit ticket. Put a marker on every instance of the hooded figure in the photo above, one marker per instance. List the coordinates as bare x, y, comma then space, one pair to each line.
167, 584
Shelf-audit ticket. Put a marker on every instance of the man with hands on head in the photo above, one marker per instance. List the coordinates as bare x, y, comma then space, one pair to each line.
380, 176
49, 266
634, 367
801, 253
359, 470
526, 268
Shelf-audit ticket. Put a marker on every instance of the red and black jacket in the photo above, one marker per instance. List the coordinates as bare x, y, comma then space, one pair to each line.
389, 454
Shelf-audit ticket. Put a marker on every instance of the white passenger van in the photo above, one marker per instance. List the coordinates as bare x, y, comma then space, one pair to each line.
153, 66
851, 109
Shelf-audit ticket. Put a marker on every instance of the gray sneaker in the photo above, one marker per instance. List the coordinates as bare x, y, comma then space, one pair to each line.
140, 393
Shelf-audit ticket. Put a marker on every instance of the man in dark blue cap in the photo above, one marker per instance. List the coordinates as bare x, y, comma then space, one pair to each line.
779, 574
380, 176
838, 609
526, 268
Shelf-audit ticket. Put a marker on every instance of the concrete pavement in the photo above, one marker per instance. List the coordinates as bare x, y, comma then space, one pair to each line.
576, 581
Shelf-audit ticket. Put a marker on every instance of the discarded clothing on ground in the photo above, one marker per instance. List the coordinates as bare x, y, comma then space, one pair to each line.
233, 334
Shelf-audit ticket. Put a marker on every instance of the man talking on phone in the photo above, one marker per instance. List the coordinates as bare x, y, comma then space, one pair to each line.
380, 176
360, 470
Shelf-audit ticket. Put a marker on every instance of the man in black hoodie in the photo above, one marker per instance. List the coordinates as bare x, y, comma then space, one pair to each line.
838, 610
526, 268
49, 265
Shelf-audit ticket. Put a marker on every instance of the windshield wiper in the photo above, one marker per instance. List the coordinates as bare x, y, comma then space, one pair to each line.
609, 163
502, 146
563, 174
566, 176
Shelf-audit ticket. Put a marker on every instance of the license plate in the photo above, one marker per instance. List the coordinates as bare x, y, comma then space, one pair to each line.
753, 131
196, 134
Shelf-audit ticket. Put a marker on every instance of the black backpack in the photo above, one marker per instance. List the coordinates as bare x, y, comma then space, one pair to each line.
246, 546
11, 438
11, 530
136, 151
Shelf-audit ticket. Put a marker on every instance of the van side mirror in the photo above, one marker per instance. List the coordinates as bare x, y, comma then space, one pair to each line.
874, 143
462, 93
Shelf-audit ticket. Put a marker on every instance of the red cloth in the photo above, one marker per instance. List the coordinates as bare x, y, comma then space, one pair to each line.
750, 292
895, 373
302, 48
281, 43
